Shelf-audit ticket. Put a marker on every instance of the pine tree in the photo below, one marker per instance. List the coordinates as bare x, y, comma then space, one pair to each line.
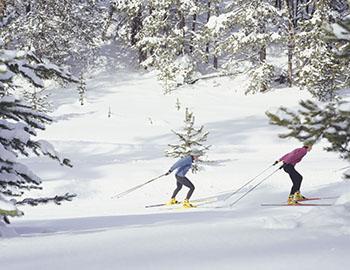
159, 31
261, 77
132, 15
189, 138
339, 33
19, 123
317, 67
165, 40
313, 122
65, 32
245, 32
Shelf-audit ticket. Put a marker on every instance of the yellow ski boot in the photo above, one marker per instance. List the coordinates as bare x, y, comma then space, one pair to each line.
291, 200
187, 204
172, 201
298, 196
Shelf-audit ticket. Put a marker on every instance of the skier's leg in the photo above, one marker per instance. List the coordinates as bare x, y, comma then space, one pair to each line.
294, 176
188, 184
178, 186
298, 179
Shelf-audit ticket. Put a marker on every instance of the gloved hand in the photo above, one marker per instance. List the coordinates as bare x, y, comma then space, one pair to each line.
276, 162
168, 172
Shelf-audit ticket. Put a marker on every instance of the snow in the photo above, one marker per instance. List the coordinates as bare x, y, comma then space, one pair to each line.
48, 149
3, 68
112, 154
29, 73
5, 205
216, 23
340, 32
6, 155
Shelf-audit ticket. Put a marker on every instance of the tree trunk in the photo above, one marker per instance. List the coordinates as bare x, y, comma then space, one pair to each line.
2, 8
136, 26
215, 60
290, 42
295, 9
182, 25
262, 54
278, 4
194, 24
28, 7
208, 43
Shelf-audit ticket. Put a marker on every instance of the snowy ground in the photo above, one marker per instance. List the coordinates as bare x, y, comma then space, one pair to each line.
112, 154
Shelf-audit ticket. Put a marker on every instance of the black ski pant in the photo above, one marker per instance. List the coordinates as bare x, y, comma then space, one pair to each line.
296, 177
183, 181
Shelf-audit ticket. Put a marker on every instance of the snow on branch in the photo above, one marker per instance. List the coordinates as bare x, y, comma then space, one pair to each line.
57, 200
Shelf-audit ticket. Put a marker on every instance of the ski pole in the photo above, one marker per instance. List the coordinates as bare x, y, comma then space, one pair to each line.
135, 188
341, 169
254, 187
251, 180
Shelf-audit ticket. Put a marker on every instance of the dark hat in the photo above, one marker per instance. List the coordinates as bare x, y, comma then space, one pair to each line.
308, 144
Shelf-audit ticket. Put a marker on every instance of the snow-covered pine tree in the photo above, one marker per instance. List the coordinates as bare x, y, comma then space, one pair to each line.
62, 31
132, 13
313, 122
164, 37
159, 30
189, 138
19, 124
339, 33
316, 65
246, 31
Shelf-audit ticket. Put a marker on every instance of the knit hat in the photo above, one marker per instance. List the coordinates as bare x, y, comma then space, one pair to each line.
196, 152
308, 144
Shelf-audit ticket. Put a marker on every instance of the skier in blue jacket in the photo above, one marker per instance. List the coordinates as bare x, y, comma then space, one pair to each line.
183, 165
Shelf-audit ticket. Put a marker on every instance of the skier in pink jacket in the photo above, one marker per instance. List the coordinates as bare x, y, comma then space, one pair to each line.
289, 161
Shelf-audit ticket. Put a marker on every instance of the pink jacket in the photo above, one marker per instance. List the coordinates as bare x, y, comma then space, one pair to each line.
295, 156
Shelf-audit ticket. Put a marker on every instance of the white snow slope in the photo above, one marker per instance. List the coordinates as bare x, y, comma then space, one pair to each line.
113, 154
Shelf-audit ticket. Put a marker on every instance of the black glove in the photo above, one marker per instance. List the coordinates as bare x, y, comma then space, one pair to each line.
276, 162
168, 172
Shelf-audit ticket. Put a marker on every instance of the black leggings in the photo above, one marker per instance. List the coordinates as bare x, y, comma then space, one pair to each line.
296, 177
183, 181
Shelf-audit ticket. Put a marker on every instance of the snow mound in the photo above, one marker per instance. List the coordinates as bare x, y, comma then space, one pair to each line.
344, 200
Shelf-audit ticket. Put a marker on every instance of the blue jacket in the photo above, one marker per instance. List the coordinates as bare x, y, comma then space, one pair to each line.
182, 165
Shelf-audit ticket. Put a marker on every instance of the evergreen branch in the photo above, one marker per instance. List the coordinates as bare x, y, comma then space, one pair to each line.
57, 200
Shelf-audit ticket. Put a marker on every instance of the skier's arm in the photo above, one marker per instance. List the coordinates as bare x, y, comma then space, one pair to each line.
177, 164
